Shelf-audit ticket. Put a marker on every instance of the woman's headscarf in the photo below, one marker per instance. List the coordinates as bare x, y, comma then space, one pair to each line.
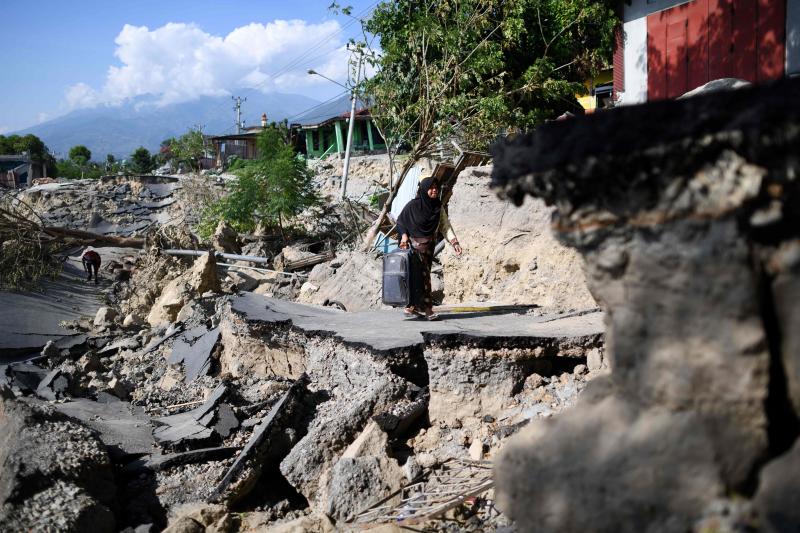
420, 216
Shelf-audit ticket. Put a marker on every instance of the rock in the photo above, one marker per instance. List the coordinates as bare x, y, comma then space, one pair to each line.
242, 281
105, 316
132, 319
89, 362
476, 450
778, 487
50, 349
355, 483
185, 524
355, 283
306, 524
67, 464
177, 293
201, 518
226, 239
118, 388
203, 275
579, 370
534, 381
594, 360
412, 469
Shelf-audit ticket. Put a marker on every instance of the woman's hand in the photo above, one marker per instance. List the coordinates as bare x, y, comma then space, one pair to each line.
456, 247
404, 242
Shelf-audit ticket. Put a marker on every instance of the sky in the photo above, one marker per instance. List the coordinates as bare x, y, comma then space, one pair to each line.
62, 55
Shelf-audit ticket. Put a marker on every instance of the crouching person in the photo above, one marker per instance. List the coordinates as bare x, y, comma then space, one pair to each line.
91, 261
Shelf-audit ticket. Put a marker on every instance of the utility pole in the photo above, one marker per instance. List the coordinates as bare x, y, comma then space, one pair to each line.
238, 108
346, 170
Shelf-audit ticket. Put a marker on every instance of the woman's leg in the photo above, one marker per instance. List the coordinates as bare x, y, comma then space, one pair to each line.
426, 258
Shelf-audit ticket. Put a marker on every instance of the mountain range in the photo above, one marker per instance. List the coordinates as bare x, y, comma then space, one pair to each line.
119, 130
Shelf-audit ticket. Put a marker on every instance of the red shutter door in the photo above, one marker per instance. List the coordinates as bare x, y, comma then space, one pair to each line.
745, 20
677, 55
698, 41
720, 39
657, 56
771, 39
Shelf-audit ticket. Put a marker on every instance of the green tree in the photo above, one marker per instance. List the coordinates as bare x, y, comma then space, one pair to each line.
80, 155
189, 148
31, 145
141, 161
271, 189
474, 68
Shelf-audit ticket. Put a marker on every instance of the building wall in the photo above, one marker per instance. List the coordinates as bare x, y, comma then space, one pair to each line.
635, 59
674, 46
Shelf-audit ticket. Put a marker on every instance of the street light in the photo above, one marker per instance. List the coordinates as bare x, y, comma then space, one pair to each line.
352, 90
314, 72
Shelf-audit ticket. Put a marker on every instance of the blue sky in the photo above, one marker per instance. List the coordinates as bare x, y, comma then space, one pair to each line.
61, 55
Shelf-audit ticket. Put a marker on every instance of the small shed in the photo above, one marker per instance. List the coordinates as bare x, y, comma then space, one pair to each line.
19, 171
325, 129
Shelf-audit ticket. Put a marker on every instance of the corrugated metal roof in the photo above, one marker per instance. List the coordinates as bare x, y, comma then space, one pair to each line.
339, 108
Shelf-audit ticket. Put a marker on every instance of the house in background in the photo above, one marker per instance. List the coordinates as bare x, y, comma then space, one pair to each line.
673, 46
598, 92
19, 171
325, 129
241, 145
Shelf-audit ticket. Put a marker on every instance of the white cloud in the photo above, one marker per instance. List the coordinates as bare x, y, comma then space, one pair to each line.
178, 62
81, 95
41, 117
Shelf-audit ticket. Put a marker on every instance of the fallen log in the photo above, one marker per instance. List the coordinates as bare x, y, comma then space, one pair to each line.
87, 237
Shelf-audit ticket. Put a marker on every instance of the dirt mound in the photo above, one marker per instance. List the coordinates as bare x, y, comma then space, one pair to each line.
510, 255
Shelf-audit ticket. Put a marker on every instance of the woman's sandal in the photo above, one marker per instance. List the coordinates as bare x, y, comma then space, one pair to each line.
432, 317
411, 314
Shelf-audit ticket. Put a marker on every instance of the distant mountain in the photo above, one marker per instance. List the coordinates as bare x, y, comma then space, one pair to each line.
120, 130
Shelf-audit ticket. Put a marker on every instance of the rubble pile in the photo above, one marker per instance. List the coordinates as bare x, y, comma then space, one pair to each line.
292, 414
119, 205
696, 261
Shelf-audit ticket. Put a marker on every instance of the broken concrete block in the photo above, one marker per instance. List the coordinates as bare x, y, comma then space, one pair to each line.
267, 446
193, 349
355, 483
25, 377
226, 239
118, 388
51, 349
89, 362
105, 316
203, 276
242, 281
132, 319
193, 426
54, 386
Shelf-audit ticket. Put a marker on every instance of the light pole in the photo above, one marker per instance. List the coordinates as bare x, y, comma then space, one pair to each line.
352, 90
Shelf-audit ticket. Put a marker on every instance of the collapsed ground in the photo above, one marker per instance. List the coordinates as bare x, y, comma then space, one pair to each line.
227, 398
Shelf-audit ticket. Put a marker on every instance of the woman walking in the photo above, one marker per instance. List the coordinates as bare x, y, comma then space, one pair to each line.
419, 222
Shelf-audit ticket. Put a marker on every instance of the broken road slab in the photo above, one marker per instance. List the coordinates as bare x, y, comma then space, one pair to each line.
386, 330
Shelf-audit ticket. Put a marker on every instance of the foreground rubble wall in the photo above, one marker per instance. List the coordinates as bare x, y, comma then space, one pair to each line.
688, 221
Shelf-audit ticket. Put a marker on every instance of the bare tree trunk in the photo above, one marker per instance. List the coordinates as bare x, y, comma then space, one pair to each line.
94, 238
373, 230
